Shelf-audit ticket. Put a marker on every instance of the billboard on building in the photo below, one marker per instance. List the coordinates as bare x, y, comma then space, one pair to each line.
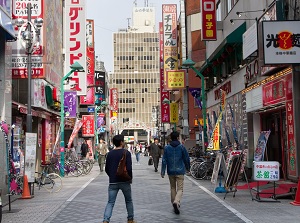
164, 94
89, 98
75, 43
19, 53
280, 42
169, 17
209, 20
53, 65
99, 87
70, 103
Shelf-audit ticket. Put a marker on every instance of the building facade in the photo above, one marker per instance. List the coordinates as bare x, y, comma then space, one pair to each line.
136, 75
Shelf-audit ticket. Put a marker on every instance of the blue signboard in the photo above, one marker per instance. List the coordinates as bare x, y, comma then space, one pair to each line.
91, 109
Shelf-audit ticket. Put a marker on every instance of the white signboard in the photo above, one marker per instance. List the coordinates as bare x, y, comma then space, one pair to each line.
250, 41
30, 155
281, 42
75, 44
266, 171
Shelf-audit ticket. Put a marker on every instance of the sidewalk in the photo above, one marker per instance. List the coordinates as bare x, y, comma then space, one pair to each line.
151, 198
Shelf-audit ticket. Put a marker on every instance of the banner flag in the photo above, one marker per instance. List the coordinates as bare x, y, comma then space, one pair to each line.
77, 126
214, 143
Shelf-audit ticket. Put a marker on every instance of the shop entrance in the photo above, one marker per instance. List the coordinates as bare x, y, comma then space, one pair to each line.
277, 142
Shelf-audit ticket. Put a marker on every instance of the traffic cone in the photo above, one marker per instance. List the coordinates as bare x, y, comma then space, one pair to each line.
296, 202
26, 192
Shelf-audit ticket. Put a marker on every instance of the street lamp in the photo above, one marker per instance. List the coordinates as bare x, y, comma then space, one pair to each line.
29, 33
190, 64
97, 108
75, 67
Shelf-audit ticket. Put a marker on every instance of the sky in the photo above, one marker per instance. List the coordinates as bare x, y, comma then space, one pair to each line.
111, 15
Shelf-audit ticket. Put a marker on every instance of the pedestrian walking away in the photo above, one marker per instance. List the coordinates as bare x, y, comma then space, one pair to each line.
176, 160
102, 151
137, 152
155, 152
115, 182
84, 149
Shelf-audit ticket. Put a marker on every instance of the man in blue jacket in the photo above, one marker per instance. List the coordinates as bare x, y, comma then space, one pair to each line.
177, 162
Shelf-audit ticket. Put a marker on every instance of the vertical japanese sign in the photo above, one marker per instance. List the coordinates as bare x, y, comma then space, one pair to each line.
292, 156
88, 126
100, 120
99, 87
173, 112
209, 20
214, 142
169, 17
113, 102
19, 54
30, 155
89, 98
70, 103
164, 94
75, 43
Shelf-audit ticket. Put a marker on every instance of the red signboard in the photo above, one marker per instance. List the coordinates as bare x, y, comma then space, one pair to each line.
274, 92
164, 94
292, 162
88, 125
209, 20
89, 98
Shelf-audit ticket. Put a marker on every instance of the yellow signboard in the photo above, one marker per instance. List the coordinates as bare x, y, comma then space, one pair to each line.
173, 112
200, 120
175, 79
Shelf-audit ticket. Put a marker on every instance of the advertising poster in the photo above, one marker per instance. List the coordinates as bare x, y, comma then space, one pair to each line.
76, 128
19, 54
30, 155
261, 145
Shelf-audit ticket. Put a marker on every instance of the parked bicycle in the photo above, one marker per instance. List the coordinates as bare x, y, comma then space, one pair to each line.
52, 182
203, 167
71, 167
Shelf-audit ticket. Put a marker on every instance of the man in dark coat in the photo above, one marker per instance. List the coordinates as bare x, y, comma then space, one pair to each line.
84, 149
155, 153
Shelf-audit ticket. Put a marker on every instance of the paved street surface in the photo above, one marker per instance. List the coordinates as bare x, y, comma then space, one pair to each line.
83, 199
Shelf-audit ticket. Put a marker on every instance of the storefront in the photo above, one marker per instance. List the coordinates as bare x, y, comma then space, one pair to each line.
234, 124
270, 107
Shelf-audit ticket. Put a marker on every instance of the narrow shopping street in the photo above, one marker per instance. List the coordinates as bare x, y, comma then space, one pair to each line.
83, 199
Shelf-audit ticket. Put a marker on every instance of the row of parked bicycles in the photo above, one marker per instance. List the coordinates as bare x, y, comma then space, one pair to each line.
50, 175
202, 164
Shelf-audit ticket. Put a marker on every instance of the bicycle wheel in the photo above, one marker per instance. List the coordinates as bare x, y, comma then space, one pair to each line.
53, 182
199, 170
75, 170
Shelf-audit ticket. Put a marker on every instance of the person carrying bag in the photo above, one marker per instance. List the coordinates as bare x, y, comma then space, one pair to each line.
119, 170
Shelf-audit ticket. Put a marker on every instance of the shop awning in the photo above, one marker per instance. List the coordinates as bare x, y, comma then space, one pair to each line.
234, 38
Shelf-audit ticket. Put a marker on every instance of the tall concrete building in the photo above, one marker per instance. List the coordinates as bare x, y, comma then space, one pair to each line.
136, 75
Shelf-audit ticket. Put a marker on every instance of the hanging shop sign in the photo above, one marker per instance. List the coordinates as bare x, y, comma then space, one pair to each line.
113, 102
209, 20
174, 112
280, 42
75, 44
175, 79
252, 71
99, 87
88, 125
225, 87
164, 94
169, 18
89, 98
70, 104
